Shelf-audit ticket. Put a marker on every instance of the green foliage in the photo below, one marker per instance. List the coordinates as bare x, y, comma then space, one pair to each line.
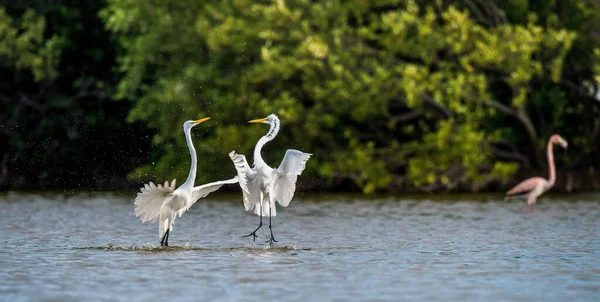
359, 163
23, 46
59, 127
429, 94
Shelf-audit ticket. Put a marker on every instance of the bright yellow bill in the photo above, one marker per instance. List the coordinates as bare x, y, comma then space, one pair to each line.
260, 120
201, 120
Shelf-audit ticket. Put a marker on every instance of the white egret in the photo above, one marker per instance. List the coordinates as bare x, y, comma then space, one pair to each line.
164, 203
262, 185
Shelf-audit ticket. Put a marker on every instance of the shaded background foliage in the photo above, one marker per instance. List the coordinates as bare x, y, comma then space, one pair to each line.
60, 127
389, 95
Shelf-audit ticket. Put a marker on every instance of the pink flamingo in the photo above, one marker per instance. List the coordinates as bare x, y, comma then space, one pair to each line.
536, 186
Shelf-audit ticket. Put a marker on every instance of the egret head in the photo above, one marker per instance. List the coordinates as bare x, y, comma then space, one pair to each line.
557, 139
267, 120
191, 123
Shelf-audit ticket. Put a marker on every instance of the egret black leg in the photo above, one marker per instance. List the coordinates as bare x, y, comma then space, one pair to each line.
253, 234
270, 241
165, 239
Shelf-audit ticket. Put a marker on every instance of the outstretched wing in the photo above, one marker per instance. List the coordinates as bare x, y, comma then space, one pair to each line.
245, 176
205, 189
526, 186
284, 182
150, 200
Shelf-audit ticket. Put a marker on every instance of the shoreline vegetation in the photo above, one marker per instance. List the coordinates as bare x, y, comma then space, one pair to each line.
232, 194
391, 96
570, 183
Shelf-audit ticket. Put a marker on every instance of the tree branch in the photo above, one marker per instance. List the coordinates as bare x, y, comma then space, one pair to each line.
401, 118
511, 155
479, 16
585, 155
533, 138
521, 115
500, 107
446, 112
493, 12
25, 100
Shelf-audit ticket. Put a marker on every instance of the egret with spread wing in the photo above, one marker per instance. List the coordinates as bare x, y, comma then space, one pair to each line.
262, 185
533, 187
163, 203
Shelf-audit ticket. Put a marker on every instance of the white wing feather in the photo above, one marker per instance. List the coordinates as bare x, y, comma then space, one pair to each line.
284, 182
151, 199
246, 176
205, 189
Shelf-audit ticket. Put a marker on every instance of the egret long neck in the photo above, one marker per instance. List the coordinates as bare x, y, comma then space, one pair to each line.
192, 176
550, 155
265, 139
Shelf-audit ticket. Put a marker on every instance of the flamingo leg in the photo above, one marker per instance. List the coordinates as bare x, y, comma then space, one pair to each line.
531, 199
529, 209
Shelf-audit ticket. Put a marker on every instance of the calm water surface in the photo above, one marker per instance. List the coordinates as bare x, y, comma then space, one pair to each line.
333, 248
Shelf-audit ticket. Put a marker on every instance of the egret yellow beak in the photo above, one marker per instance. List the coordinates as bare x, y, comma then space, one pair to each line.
260, 120
196, 122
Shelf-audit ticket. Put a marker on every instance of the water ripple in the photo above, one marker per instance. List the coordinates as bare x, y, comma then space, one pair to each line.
346, 248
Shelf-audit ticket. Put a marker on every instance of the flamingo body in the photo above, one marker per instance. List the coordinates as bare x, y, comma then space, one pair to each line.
533, 187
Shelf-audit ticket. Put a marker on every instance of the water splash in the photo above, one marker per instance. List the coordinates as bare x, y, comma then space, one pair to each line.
148, 247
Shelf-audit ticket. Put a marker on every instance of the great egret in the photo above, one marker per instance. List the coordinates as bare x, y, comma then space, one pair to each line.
164, 203
262, 185
536, 186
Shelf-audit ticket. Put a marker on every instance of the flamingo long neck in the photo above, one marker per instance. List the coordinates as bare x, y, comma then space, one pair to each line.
265, 139
551, 167
192, 176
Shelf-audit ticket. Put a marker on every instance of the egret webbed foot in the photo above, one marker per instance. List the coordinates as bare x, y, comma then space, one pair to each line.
253, 234
272, 239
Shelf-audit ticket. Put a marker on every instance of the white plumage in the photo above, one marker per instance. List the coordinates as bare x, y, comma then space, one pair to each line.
163, 203
262, 185
284, 183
